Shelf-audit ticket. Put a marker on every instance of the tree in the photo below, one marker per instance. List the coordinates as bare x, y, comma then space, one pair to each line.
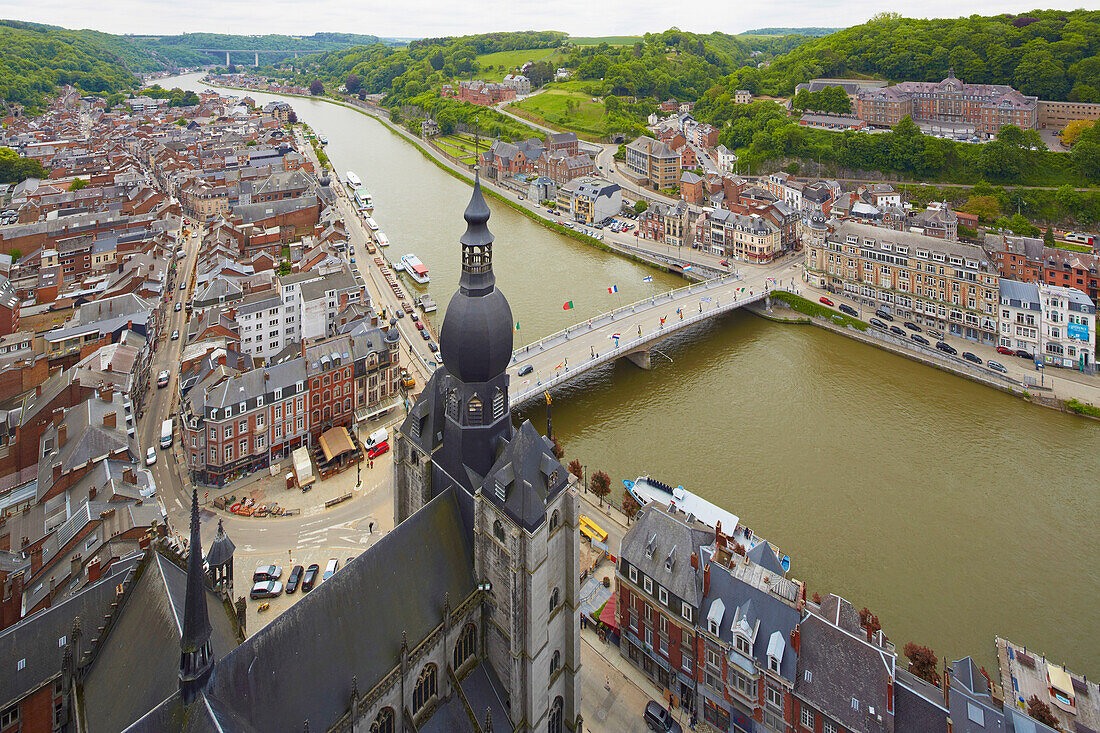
1048, 237
600, 483
1039, 710
816, 598
316, 88
232, 69
869, 621
352, 83
1073, 130
16, 254
630, 505
923, 663
292, 117
77, 184
576, 469
558, 450
986, 208
640, 205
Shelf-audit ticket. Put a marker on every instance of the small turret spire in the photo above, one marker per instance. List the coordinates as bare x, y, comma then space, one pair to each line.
477, 244
196, 657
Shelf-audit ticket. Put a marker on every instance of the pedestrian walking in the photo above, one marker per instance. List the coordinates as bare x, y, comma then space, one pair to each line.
372, 464
607, 682
370, 527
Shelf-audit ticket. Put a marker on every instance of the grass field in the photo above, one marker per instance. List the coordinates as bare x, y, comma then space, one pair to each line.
609, 40
550, 107
462, 146
489, 62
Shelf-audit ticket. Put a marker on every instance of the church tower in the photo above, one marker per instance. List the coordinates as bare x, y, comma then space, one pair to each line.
196, 656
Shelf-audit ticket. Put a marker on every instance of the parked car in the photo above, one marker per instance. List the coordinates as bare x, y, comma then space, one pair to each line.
294, 578
400, 314
425, 335
331, 568
825, 301
162, 378
1006, 351
1023, 354
878, 324
938, 335
919, 339
997, 366
175, 334
432, 347
419, 326
883, 314
378, 450
845, 308
266, 589
525, 370
973, 358
657, 718
150, 456
267, 572
898, 331
946, 348
912, 326
183, 286
310, 577
416, 318
179, 307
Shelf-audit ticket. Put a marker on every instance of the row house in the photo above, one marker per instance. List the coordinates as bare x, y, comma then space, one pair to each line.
946, 285
1026, 259
562, 168
749, 238
479, 92
1056, 325
589, 200
565, 143
504, 159
671, 224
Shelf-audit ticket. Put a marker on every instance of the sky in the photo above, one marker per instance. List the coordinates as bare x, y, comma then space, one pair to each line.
424, 18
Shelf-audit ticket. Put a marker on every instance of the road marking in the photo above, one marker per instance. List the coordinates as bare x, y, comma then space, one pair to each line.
178, 504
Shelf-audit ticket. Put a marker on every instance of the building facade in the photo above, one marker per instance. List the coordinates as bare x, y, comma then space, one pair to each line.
1055, 325
653, 162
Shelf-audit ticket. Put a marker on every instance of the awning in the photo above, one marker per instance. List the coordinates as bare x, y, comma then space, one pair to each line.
336, 442
1060, 680
607, 615
361, 415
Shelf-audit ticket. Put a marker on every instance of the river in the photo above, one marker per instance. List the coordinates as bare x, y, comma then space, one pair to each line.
953, 511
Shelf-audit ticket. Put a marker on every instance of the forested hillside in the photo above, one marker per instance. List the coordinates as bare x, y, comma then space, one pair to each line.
1052, 54
790, 32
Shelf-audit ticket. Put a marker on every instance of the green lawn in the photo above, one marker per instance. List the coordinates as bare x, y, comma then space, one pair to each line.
462, 146
489, 62
609, 40
549, 107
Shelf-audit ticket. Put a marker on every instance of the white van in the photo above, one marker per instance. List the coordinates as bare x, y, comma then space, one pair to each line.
378, 436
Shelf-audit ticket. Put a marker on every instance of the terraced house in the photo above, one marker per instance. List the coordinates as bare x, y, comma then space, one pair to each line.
946, 285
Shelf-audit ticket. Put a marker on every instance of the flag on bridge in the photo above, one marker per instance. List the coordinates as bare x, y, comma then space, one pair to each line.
740, 290
613, 289
663, 320
647, 279
705, 300
517, 325
687, 269
615, 335
559, 366
569, 305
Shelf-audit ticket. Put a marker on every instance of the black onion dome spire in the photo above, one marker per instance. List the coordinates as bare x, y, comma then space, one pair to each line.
476, 338
196, 658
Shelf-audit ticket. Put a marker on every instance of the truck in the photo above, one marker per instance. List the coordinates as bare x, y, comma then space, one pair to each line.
166, 433
380, 435
407, 380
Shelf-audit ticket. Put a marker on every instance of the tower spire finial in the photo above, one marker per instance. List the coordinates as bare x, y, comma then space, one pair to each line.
477, 244
196, 657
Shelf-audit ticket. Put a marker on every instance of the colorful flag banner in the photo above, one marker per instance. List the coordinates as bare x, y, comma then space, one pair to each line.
559, 366
517, 325
647, 279
687, 269
616, 335
568, 306
663, 320
705, 300
613, 289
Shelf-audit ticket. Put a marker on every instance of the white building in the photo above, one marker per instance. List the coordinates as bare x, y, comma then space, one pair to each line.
519, 82
725, 158
1050, 322
264, 323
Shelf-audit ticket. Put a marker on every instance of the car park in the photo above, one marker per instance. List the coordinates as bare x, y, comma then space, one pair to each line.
1023, 354
973, 358
878, 324
825, 301
267, 572
175, 334
150, 456
163, 378
898, 331
266, 589
378, 450
525, 370
996, 366
294, 579
331, 568
919, 339
912, 326
658, 718
884, 315
946, 348
845, 308
1006, 351
310, 577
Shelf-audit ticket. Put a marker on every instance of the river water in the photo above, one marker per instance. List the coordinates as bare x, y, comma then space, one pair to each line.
953, 511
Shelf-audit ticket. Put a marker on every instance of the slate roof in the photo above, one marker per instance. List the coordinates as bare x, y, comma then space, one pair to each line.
918, 706
671, 532
764, 556
973, 709
526, 468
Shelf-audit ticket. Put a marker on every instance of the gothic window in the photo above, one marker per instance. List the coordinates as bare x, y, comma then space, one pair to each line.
498, 405
465, 648
473, 411
426, 688
498, 530
384, 722
555, 662
555, 599
452, 405
555, 520
556, 715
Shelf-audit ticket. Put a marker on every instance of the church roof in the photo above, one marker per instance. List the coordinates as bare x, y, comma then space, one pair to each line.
528, 475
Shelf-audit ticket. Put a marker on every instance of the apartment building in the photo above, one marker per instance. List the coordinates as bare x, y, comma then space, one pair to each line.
267, 325
750, 237
653, 162
589, 200
1054, 324
946, 285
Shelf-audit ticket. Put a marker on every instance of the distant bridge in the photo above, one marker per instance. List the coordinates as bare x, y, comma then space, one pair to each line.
566, 354
281, 51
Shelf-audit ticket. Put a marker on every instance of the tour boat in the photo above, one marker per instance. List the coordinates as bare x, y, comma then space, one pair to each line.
426, 303
363, 199
353, 180
381, 238
645, 489
372, 224
415, 268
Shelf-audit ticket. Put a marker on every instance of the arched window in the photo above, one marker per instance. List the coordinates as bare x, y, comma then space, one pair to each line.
498, 530
347, 405
465, 648
555, 662
384, 722
555, 520
327, 413
336, 408
555, 599
336, 390
556, 715
473, 411
426, 687
327, 396
452, 405
316, 416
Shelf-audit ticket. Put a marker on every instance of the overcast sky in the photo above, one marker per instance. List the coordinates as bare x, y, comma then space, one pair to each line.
420, 18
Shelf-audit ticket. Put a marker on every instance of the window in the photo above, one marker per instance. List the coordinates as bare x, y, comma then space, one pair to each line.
714, 659
686, 612
498, 530
555, 724
775, 698
829, 727
662, 595
229, 453
743, 645
633, 573
555, 520
213, 433
473, 411
555, 599
11, 715
466, 646
426, 688
555, 662
61, 642
229, 431
773, 663
648, 584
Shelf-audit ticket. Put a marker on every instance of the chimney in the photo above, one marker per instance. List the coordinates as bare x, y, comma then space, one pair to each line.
107, 393
62, 434
695, 560
38, 390
57, 415
92, 493
128, 474
93, 570
74, 566
706, 579
221, 359
890, 695
946, 687
109, 419
796, 638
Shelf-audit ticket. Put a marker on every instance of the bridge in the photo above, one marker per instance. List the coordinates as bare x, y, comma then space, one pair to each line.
280, 51
633, 330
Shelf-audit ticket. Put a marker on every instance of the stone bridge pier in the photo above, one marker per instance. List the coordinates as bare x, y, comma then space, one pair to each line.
640, 358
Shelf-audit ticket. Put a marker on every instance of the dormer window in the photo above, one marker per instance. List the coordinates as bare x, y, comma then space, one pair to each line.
712, 626
743, 645
670, 559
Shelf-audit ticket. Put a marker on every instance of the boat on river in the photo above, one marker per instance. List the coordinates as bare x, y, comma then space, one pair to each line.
371, 223
381, 238
426, 303
645, 489
415, 269
363, 199
353, 180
